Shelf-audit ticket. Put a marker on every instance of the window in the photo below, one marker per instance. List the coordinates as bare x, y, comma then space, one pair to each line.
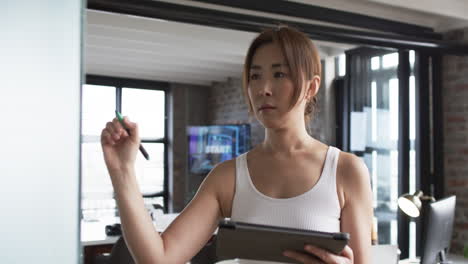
381, 149
143, 102
340, 65
390, 60
374, 131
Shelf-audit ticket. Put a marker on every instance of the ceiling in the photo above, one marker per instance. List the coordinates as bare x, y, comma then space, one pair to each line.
126, 46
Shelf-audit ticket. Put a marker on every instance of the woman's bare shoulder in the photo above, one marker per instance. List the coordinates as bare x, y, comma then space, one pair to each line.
223, 175
224, 169
351, 167
352, 173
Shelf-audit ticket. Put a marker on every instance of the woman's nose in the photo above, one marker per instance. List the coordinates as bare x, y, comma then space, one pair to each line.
265, 88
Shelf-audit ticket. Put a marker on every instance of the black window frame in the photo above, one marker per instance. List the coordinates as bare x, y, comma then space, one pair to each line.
429, 127
128, 83
403, 147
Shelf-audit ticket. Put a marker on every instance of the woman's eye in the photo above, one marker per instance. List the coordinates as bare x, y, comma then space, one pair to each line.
280, 75
254, 76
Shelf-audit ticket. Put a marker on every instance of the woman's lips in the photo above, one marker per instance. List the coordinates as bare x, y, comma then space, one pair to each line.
266, 107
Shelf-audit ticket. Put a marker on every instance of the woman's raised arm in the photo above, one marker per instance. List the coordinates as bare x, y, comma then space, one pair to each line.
190, 230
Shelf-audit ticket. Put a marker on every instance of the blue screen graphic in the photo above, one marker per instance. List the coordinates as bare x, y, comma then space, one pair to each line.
210, 145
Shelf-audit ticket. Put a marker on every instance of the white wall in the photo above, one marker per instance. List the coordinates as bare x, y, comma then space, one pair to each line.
40, 75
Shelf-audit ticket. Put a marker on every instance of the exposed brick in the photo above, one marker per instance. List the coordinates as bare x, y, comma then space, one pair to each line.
463, 226
458, 183
456, 119
455, 100
227, 106
461, 87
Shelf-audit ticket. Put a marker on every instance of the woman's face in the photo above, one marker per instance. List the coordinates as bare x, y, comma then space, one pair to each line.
271, 89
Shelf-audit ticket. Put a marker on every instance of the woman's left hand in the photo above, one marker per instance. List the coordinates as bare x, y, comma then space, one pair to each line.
324, 256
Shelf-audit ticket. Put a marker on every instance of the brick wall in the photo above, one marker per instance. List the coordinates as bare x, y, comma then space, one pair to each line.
227, 106
455, 101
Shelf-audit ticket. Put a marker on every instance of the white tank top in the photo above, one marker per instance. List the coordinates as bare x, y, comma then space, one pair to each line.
317, 209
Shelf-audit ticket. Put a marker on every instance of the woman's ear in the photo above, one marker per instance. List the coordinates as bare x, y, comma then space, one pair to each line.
313, 87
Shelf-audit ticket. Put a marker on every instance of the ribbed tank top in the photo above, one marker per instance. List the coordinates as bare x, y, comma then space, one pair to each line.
317, 209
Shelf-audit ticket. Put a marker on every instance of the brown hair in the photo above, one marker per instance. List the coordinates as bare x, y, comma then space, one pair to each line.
301, 56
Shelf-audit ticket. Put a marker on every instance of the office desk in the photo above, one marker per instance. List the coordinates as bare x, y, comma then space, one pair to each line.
95, 241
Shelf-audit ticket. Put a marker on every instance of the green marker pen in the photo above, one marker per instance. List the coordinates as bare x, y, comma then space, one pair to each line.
120, 118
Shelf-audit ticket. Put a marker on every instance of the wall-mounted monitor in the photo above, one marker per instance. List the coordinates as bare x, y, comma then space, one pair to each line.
210, 145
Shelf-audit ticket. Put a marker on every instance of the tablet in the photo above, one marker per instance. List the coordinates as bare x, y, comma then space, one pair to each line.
262, 242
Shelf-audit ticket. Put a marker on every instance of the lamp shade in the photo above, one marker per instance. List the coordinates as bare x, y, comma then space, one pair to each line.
410, 204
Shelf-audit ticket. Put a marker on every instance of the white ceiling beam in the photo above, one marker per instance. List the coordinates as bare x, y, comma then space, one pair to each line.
171, 59
168, 31
149, 76
130, 63
176, 38
206, 75
156, 49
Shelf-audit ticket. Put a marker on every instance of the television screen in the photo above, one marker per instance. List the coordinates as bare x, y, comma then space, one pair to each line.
210, 145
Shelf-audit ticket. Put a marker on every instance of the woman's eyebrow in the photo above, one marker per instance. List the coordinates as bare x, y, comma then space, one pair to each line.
278, 65
274, 65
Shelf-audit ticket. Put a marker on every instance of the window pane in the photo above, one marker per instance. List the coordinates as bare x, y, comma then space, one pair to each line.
342, 65
95, 178
412, 106
412, 240
411, 58
394, 232
374, 110
390, 60
146, 107
150, 173
385, 171
393, 98
375, 63
98, 108
97, 192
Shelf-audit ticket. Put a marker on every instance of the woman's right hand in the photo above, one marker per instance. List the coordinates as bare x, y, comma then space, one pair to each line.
120, 148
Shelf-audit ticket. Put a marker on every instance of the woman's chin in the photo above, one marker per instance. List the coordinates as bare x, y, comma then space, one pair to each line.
271, 123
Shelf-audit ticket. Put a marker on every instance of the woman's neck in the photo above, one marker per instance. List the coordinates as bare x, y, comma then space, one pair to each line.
286, 140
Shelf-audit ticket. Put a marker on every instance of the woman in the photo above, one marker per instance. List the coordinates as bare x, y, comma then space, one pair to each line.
291, 179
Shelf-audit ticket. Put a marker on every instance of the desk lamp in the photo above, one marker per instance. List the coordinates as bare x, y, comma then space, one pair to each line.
411, 204
437, 224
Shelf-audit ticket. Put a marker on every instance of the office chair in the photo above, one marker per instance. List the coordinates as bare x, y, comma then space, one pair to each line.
120, 254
